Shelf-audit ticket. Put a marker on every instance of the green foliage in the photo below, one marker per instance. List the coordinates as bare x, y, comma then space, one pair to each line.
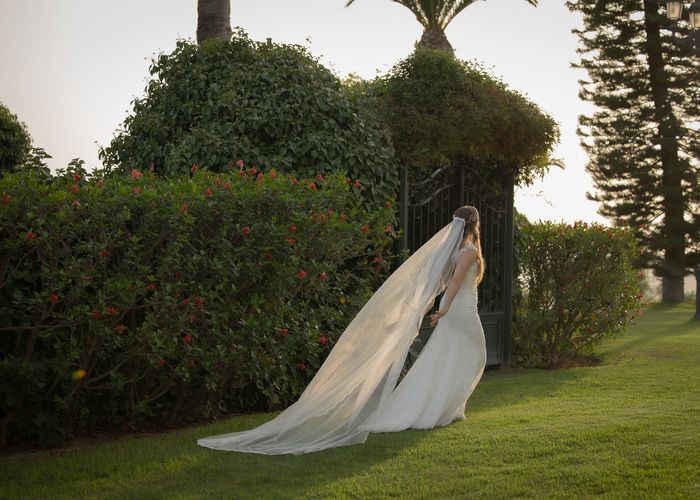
578, 286
15, 141
441, 110
269, 104
136, 300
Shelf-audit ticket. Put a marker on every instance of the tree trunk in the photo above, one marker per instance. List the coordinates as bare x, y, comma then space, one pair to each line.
673, 268
213, 20
434, 38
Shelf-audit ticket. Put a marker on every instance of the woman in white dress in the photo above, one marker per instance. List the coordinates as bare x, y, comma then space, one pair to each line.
355, 390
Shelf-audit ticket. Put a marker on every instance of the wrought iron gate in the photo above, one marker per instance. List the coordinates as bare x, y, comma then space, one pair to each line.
426, 205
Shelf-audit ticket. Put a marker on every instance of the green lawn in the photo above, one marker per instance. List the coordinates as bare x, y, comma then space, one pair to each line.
629, 427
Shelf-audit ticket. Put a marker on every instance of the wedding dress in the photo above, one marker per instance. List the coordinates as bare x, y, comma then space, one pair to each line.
354, 391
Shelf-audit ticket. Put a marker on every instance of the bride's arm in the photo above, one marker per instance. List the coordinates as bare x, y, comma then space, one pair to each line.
460, 272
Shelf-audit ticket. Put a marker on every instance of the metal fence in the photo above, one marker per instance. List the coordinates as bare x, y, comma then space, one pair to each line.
427, 204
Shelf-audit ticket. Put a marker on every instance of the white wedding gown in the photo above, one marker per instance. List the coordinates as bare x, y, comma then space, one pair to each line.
355, 390
435, 390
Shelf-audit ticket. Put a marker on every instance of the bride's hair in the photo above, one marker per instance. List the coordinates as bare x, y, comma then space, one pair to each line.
471, 226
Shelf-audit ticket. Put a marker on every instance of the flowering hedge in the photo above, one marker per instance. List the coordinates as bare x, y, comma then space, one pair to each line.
132, 301
578, 288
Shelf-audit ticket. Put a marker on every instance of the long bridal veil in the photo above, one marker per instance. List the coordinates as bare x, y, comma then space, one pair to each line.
364, 365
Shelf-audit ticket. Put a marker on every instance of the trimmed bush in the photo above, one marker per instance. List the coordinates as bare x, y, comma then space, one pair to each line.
272, 105
130, 301
578, 288
15, 142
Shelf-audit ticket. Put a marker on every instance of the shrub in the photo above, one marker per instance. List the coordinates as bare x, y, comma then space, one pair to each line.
132, 301
578, 286
441, 110
15, 142
267, 103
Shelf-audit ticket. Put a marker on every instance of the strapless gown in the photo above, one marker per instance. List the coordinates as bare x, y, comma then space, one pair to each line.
434, 391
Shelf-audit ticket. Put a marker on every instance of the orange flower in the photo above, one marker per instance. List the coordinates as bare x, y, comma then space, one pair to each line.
31, 235
291, 241
208, 192
364, 228
119, 328
184, 208
136, 174
283, 331
111, 311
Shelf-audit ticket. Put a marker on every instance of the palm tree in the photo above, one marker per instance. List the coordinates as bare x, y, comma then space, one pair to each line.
434, 16
213, 19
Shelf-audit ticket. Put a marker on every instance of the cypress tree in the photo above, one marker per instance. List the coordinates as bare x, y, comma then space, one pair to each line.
643, 140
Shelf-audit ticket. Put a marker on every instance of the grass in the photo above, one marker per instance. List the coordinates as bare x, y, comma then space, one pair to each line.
629, 427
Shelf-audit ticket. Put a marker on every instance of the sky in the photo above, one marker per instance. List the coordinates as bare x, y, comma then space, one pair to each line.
71, 68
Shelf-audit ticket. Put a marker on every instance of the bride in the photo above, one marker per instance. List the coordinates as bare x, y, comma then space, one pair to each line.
355, 390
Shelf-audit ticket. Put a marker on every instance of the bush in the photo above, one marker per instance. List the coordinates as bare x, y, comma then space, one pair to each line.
133, 301
267, 103
441, 110
578, 286
15, 142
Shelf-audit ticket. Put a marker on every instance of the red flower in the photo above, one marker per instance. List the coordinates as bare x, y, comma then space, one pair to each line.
95, 314
245, 230
388, 204
100, 183
75, 188
53, 297
31, 235
162, 362
261, 176
302, 274
292, 229
377, 260
364, 228
136, 190
312, 185
291, 241
111, 311
186, 301
283, 331
198, 301
136, 174
187, 339
322, 217
342, 216
151, 287
240, 163
388, 228
241, 173
322, 276
323, 340
6, 199
357, 184
119, 328
104, 253
76, 177
268, 256
227, 185
76, 203
194, 168
252, 170
273, 174
217, 181
208, 192
184, 208
319, 178
301, 366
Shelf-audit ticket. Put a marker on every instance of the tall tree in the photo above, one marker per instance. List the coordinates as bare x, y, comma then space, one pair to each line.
213, 19
643, 141
434, 16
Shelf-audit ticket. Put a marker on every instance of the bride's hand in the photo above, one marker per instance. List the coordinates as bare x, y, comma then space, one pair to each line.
435, 317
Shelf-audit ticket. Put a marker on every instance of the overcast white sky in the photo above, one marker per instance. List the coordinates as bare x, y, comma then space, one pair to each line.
70, 68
